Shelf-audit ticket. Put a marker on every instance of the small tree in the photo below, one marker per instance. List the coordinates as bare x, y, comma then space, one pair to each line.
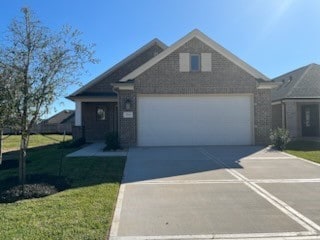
7, 105
44, 63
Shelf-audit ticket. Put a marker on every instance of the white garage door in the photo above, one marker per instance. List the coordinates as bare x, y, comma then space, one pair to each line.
177, 120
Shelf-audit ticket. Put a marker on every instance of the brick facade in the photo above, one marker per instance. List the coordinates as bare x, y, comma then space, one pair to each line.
105, 85
225, 78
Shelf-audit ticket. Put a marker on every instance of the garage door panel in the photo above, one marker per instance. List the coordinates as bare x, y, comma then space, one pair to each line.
194, 120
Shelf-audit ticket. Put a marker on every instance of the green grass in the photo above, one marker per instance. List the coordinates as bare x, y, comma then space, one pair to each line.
82, 212
13, 142
305, 149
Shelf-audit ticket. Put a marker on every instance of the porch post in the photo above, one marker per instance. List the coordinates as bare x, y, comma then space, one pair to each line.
78, 114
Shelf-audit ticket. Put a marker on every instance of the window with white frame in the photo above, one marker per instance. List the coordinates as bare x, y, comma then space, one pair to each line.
201, 62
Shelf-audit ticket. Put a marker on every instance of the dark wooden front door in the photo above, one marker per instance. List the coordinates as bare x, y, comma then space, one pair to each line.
310, 120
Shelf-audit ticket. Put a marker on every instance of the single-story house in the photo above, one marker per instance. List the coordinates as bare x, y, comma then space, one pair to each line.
61, 122
194, 92
296, 103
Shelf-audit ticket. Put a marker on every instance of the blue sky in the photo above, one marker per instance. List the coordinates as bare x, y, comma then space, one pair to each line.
274, 36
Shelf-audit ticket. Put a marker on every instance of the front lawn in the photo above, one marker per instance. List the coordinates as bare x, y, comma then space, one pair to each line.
12, 142
84, 211
305, 149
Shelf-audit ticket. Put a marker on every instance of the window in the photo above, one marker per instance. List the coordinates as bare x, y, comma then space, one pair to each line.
195, 62
101, 114
308, 117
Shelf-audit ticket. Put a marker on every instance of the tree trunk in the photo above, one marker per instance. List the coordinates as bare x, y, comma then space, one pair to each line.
1, 136
23, 157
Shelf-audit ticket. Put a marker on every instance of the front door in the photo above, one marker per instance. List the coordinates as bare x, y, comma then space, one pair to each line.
310, 120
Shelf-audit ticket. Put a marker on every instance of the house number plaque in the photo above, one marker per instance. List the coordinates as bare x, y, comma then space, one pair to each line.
127, 114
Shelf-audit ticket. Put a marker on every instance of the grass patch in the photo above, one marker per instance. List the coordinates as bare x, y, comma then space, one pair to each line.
84, 211
12, 142
305, 149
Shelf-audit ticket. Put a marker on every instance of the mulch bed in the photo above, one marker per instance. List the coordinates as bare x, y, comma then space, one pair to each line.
38, 185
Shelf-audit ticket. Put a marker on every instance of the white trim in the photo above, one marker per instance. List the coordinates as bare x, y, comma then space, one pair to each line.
96, 99
119, 64
253, 130
123, 86
267, 85
202, 37
276, 103
302, 100
78, 114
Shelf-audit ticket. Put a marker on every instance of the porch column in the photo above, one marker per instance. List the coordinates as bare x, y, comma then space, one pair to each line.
78, 114
292, 118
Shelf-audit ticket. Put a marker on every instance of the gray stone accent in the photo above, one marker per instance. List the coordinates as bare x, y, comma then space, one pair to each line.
225, 78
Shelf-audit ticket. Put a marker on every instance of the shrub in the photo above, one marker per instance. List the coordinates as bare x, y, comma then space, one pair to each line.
279, 138
112, 141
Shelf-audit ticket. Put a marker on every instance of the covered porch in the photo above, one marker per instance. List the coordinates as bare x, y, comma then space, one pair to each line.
300, 116
95, 118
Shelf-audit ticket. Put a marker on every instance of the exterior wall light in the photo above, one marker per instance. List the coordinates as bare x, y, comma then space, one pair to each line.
128, 104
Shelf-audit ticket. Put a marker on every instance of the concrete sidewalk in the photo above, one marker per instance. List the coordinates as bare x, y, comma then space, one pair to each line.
96, 150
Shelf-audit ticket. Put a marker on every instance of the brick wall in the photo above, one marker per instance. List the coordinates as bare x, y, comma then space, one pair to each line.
127, 126
104, 86
225, 77
262, 116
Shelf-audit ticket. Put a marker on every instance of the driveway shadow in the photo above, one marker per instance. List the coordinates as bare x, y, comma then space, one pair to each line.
184, 163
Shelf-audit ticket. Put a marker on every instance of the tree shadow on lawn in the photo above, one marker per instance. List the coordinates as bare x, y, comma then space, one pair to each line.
43, 166
303, 145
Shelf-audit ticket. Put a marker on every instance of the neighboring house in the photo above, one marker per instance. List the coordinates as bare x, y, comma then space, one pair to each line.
58, 123
194, 92
296, 103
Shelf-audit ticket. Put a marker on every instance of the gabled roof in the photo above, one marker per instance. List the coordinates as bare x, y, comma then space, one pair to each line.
119, 65
202, 37
303, 82
60, 117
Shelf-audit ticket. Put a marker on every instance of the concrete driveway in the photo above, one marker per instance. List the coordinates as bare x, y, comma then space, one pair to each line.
212, 192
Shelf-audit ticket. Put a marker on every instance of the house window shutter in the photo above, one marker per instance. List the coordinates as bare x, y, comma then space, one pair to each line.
206, 62
184, 61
